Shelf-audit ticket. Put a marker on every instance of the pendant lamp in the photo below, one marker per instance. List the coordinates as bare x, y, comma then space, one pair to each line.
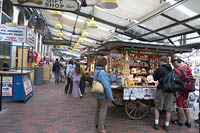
77, 44
92, 24
62, 46
109, 4
56, 13
80, 40
60, 38
84, 34
60, 34
58, 25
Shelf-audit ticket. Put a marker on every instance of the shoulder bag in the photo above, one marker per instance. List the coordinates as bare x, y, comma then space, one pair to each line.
97, 86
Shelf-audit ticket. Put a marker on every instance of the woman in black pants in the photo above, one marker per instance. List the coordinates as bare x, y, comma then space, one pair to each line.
69, 70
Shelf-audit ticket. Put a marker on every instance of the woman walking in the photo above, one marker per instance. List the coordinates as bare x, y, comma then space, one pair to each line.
102, 98
76, 76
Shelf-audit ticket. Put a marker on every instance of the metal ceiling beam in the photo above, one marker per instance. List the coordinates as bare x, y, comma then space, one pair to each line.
157, 14
143, 45
177, 21
172, 25
131, 35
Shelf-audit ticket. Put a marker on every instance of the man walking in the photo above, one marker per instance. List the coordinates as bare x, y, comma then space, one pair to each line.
56, 70
181, 96
163, 99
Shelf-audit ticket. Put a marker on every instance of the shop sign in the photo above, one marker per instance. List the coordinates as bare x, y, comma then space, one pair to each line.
7, 86
154, 53
63, 5
55, 42
12, 34
30, 37
27, 84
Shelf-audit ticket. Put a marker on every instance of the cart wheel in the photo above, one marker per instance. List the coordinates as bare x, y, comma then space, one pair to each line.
137, 109
119, 102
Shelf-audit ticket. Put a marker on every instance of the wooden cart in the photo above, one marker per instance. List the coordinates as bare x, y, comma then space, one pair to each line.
135, 109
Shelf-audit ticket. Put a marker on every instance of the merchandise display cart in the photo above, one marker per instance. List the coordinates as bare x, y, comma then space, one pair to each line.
135, 66
16, 84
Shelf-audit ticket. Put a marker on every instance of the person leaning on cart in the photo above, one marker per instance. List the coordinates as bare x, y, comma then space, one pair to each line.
102, 98
163, 100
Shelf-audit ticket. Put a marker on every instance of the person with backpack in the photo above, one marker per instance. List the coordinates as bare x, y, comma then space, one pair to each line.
56, 70
69, 70
182, 94
163, 99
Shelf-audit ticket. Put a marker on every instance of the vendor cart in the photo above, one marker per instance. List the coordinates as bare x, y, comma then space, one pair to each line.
134, 64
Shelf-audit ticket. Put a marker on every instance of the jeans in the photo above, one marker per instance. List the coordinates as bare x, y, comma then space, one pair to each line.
56, 77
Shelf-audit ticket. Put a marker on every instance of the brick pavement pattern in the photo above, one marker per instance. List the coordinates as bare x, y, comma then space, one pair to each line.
52, 111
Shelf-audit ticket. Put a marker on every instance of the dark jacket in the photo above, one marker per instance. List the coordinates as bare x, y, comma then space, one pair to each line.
56, 67
160, 73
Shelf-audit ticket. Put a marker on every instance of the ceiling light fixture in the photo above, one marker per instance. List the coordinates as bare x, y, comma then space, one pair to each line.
92, 24
58, 25
84, 34
80, 40
109, 4
60, 34
60, 38
56, 13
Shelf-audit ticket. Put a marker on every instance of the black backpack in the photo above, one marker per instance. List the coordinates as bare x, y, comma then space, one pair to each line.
171, 82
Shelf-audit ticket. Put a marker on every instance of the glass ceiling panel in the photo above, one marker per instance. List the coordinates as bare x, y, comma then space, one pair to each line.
138, 31
195, 23
188, 9
110, 18
174, 30
152, 37
158, 22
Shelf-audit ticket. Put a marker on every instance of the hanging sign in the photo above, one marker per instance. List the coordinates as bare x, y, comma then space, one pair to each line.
154, 53
30, 37
63, 5
55, 42
27, 84
7, 88
12, 34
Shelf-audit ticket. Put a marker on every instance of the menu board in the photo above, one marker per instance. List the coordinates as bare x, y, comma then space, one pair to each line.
27, 84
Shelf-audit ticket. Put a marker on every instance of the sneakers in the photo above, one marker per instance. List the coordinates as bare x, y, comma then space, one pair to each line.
176, 122
166, 128
156, 126
188, 125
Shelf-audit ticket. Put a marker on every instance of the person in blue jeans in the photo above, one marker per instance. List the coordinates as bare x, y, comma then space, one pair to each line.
56, 70
102, 99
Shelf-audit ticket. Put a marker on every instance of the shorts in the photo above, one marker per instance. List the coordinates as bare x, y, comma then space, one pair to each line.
164, 101
182, 99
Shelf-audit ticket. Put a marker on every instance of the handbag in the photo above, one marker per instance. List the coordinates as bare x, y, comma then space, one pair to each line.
97, 86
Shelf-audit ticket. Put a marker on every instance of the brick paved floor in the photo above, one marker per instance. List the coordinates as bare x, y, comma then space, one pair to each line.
51, 111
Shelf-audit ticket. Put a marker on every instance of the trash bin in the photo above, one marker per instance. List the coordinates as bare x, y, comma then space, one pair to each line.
38, 76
